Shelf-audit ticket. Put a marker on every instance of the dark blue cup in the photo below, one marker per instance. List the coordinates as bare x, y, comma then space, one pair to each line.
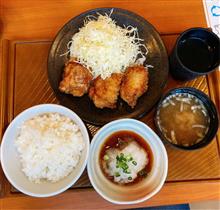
196, 53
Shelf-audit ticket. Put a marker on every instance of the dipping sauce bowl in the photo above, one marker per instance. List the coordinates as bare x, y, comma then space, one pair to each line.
131, 193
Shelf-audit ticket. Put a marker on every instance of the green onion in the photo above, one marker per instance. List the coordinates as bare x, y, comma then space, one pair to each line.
134, 162
127, 171
122, 161
106, 157
129, 178
124, 166
129, 158
117, 157
117, 174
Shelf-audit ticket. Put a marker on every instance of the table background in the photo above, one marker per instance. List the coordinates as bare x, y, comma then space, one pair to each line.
31, 25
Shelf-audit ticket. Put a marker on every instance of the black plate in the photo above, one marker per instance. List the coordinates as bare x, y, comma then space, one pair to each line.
83, 106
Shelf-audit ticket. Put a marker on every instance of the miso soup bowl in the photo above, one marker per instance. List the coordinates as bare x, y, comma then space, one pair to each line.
133, 193
211, 111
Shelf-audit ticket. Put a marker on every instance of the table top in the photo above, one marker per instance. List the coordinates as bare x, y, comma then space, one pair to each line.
32, 26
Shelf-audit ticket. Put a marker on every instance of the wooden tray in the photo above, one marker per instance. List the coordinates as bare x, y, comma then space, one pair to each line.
24, 83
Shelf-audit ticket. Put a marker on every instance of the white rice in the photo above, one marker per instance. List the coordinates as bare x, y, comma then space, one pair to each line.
49, 146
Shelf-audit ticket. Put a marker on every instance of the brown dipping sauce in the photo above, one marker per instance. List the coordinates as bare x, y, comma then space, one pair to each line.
120, 140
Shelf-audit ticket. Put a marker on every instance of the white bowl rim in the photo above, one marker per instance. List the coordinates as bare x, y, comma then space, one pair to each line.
80, 171
157, 189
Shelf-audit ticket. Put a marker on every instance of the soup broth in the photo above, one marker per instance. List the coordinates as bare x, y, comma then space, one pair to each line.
183, 119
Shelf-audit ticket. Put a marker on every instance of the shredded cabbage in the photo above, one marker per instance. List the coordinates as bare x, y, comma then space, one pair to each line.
105, 48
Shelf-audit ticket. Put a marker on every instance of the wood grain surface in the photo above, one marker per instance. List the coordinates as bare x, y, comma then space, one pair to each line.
31, 87
88, 199
22, 19
40, 20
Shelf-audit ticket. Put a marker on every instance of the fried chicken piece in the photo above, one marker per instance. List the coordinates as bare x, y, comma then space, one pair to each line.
134, 84
104, 93
76, 79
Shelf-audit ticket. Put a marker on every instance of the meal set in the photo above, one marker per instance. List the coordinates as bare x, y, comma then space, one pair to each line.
107, 66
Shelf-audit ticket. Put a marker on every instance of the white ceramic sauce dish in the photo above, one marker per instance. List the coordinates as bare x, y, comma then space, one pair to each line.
137, 192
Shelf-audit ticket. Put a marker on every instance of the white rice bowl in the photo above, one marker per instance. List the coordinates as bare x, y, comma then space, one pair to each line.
65, 168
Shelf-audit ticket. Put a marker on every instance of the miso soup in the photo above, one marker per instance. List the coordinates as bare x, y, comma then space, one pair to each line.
183, 119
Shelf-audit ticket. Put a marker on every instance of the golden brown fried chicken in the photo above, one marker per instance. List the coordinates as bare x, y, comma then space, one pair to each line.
76, 79
104, 93
134, 84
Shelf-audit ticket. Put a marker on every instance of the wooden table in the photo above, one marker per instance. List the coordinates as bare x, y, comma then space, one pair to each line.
31, 25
